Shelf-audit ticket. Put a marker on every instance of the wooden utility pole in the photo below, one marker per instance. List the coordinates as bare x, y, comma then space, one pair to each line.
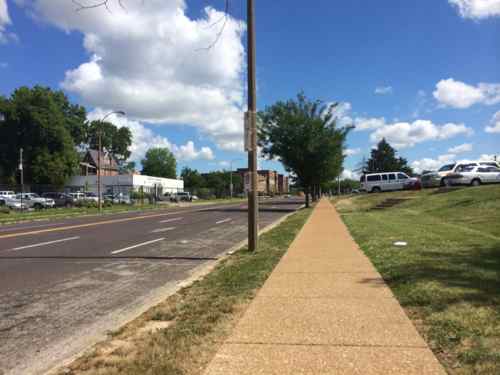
253, 203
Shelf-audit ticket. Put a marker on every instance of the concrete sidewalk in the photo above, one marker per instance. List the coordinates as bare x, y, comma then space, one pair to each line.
324, 310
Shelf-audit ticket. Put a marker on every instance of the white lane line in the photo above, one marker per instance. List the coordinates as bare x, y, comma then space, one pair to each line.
223, 221
44, 243
159, 230
138, 245
170, 220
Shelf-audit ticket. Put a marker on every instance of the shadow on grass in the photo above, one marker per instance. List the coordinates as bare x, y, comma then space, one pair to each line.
470, 275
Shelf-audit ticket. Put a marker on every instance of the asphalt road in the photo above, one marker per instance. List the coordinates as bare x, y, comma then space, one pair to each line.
63, 284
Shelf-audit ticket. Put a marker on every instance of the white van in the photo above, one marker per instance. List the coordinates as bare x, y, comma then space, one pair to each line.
387, 181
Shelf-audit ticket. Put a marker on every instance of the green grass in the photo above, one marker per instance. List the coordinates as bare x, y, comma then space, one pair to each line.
201, 315
448, 277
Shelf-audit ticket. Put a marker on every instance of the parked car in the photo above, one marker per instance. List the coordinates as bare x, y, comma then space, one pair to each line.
60, 199
77, 196
475, 175
90, 196
117, 198
6, 194
178, 197
440, 177
33, 200
14, 204
388, 181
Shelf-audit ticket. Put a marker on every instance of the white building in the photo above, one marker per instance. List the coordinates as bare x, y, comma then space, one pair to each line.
126, 183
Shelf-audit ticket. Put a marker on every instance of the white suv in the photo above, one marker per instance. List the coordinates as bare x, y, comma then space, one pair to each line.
5, 195
387, 181
33, 200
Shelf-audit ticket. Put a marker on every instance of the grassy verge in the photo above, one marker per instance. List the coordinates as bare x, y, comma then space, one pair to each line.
448, 277
182, 334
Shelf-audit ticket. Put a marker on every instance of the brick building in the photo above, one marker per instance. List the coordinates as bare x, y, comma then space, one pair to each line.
269, 182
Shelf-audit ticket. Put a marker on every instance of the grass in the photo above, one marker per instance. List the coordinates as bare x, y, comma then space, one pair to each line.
193, 322
448, 277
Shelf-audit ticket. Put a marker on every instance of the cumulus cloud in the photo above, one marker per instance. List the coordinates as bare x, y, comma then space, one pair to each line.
461, 95
383, 90
429, 164
494, 126
348, 174
189, 152
405, 134
460, 149
352, 151
477, 9
152, 60
362, 123
5, 36
144, 138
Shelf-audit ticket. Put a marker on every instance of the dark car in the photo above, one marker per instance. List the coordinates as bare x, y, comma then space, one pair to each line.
60, 199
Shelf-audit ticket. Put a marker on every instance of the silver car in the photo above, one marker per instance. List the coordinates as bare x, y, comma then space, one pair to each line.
475, 175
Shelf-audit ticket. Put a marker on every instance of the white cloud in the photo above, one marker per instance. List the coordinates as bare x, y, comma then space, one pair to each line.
494, 126
404, 134
144, 138
461, 95
460, 149
189, 152
4, 65
383, 90
348, 174
352, 151
428, 164
477, 9
362, 123
5, 36
152, 61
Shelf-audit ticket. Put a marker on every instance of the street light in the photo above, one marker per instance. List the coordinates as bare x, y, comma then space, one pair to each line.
231, 177
99, 151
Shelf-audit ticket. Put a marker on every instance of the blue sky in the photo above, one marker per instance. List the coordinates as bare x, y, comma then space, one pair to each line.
424, 74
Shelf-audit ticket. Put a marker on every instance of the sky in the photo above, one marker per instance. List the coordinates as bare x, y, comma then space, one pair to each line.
424, 74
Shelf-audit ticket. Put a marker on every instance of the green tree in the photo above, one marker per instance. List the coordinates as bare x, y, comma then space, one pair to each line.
305, 136
384, 159
115, 140
193, 180
159, 162
127, 167
48, 127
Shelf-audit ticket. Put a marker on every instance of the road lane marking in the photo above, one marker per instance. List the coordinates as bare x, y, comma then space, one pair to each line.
223, 221
159, 230
78, 226
135, 246
44, 243
170, 220
87, 225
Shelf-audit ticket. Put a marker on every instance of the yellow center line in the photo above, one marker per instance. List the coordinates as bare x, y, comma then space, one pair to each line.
10, 235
